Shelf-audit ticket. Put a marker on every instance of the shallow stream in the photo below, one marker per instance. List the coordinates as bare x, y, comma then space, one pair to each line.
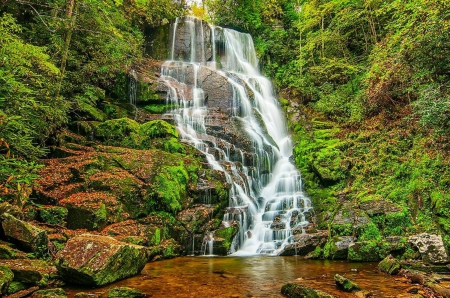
258, 276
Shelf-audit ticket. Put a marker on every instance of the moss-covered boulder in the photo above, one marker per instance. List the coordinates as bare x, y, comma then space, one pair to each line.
298, 291
337, 247
223, 239
122, 132
158, 129
50, 293
29, 271
389, 265
345, 284
6, 278
99, 260
368, 251
24, 234
125, 292
305, 243
15, 287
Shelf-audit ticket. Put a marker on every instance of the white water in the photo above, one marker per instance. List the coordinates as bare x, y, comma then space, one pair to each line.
266, 196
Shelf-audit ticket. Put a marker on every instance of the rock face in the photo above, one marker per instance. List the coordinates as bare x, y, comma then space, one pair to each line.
431, 247
99, 260
25, 234
298, 291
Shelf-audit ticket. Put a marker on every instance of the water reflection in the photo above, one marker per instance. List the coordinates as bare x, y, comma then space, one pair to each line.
259, 276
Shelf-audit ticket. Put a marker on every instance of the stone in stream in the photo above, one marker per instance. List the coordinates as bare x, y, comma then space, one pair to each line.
431, 247
292, 290
345, 284
87, 295
99, 260
389, 265
125, 292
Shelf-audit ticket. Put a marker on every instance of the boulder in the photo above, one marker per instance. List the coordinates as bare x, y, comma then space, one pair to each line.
98, 260
25, 234
125, 292
304, 244
223, 239
6, 277
337, 248
7, 252
389, 265
29, 271
367, 251
345, 284
50, 293
431, 247
298, 291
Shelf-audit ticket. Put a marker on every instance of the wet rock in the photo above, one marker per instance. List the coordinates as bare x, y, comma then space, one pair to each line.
424, 267
99, 260
223, 239
6, 278
25, 234
298, 291
431, 247
389, 265
304, 244
347, 219
125, 292
345, 284
87, 295
50, 293
28, 271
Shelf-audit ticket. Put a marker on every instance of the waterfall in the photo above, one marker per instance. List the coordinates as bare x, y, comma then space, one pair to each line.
230, 113
132, 90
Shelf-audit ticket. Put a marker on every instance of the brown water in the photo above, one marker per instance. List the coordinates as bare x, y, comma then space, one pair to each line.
259, 276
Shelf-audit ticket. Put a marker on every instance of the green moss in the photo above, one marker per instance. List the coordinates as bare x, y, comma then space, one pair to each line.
345, 284
6, 278
15, 287
369, 231
100, 215
158, 128
124, 292
159, 108
122, 132
50, 293
298, 291
389, 265
53, 215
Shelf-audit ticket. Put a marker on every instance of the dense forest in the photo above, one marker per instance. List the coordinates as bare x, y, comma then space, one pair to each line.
365, 85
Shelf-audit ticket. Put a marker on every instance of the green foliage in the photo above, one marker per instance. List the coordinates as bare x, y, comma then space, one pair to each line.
158, 108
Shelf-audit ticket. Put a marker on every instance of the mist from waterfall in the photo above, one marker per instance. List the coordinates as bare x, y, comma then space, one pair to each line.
266, 196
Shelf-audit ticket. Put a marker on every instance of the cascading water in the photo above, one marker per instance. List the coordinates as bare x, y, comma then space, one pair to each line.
213, 75
133, 90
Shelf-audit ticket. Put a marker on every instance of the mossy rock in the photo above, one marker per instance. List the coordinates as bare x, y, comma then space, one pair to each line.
389, 265
99, 260
125, 292
37, 272
53, 215
158, 129
50, 293
114, 111
368, 251
26, 235
346, 284
165, 250
84, 128
7, 252
299, 291
15, 287
223, 239
87, 295
337, 247
122, 132
6, 278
